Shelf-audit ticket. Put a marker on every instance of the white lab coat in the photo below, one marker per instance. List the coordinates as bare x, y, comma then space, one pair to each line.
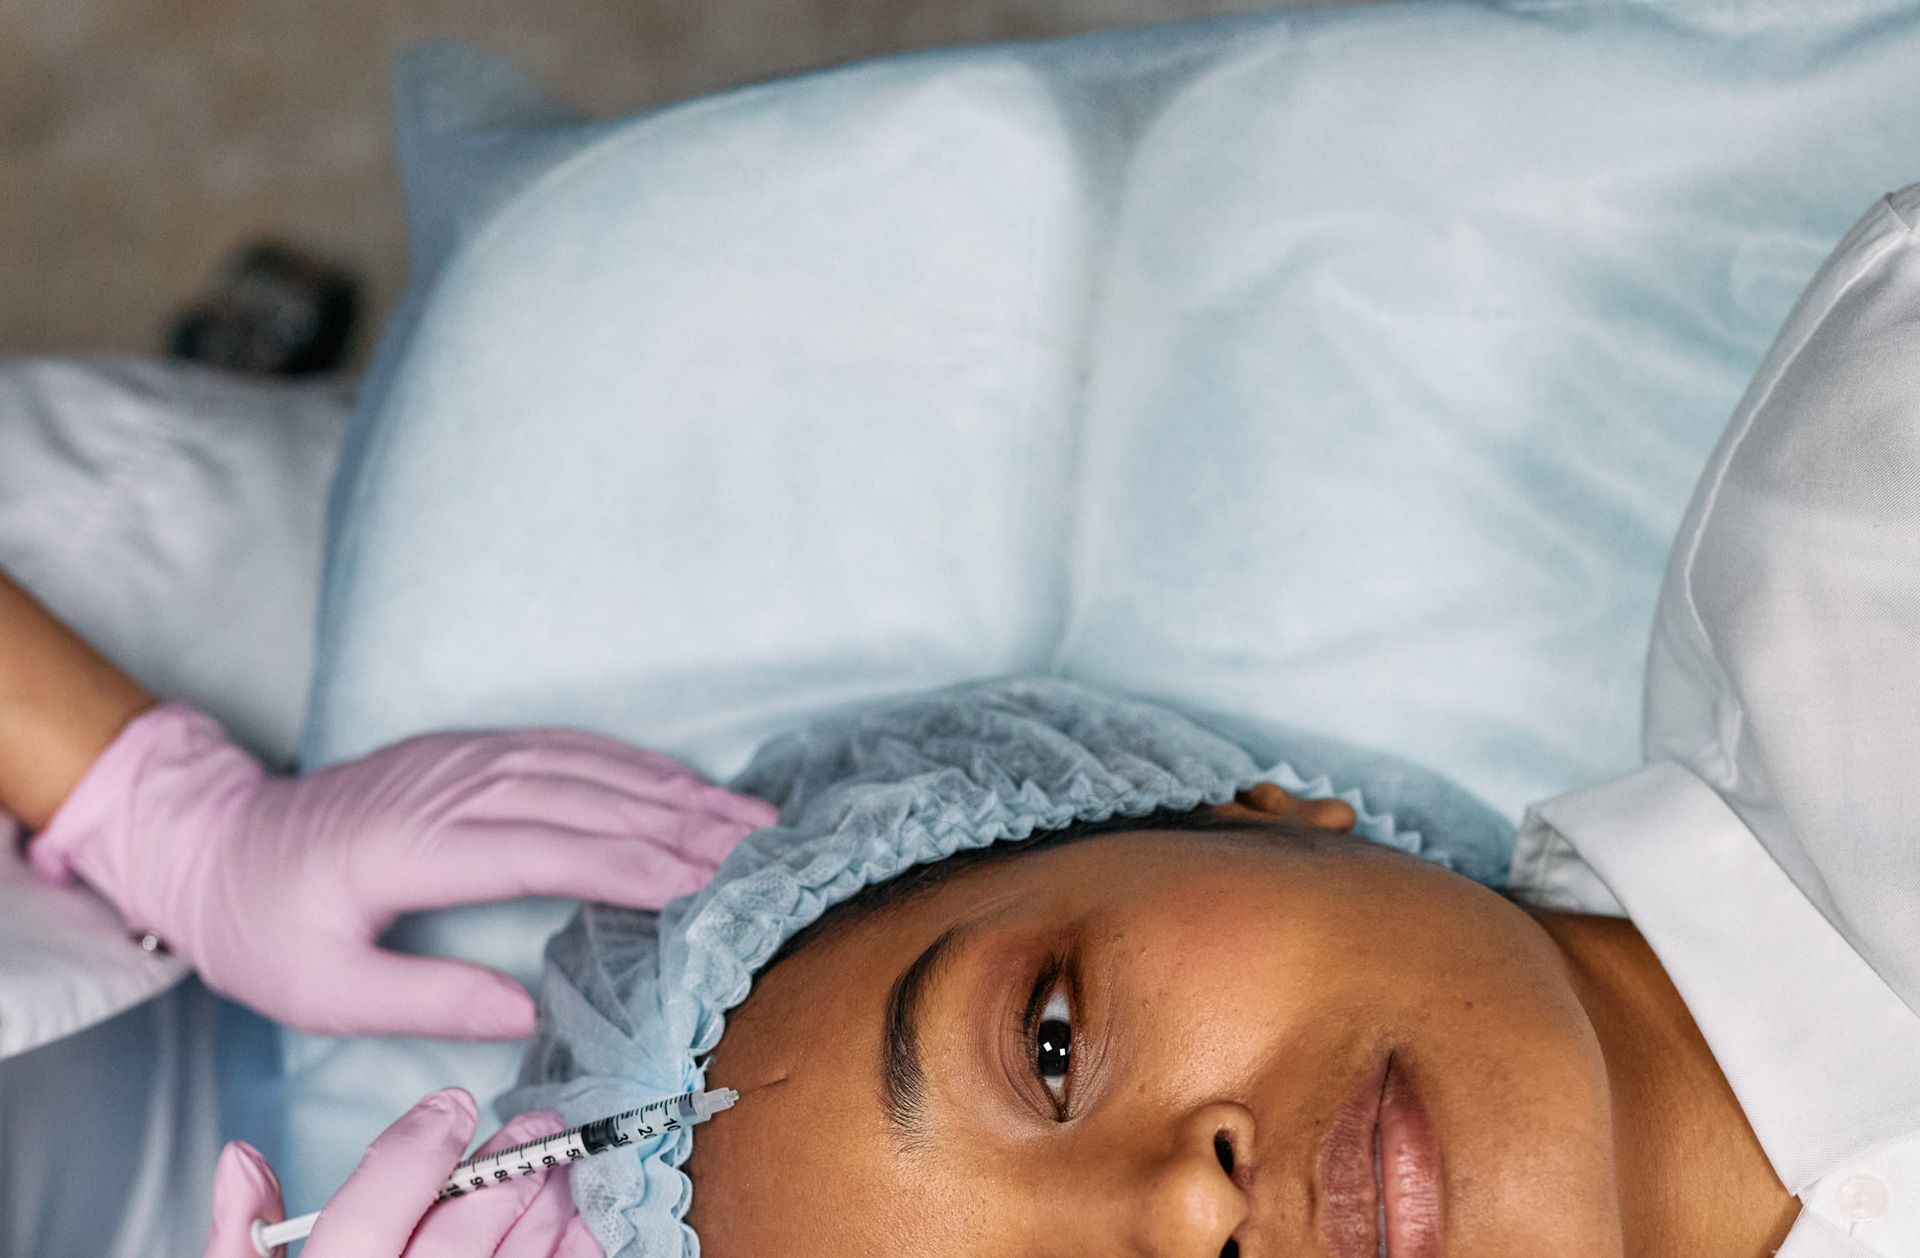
172, 516
1770, 850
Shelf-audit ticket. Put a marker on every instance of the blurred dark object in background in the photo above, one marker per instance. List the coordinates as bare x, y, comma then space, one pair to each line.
273, 311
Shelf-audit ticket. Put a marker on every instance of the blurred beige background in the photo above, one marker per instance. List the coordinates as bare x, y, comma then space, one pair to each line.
141, 140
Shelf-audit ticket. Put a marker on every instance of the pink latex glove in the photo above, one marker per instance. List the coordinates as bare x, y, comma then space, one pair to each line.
277, 889
386, 1209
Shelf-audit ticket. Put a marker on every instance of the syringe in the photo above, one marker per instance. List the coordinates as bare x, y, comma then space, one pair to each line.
654, 1119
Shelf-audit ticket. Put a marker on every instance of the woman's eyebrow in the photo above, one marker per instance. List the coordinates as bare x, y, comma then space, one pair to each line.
903, 1081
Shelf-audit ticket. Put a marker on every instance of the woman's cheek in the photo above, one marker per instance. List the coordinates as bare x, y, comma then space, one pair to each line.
1529, 1179
1519, 1094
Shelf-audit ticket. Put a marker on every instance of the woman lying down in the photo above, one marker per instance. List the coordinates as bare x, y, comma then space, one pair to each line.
1028, 970
1031, 970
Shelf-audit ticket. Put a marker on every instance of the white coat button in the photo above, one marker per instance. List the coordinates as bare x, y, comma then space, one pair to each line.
1860, 1198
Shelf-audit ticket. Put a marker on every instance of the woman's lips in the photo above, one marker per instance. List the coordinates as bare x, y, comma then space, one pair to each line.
1410, 1171
1349, 1197
1379, 1171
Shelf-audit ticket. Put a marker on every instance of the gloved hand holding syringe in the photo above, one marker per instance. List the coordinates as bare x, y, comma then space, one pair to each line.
398, 1201
278, 890
651, 1121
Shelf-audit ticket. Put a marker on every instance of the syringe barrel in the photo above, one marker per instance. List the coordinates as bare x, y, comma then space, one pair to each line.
656, 1119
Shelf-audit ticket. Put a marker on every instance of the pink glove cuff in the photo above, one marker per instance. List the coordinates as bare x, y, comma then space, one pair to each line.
168, 761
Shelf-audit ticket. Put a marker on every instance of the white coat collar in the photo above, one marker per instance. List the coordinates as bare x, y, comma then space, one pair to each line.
1823, 1055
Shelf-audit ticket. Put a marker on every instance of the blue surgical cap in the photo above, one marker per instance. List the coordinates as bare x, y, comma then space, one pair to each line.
632, 1002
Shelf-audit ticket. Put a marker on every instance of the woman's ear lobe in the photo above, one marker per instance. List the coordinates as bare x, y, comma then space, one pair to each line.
1335, 815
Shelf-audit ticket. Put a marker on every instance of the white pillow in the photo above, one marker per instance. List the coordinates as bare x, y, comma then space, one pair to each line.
1228, 362
172, 517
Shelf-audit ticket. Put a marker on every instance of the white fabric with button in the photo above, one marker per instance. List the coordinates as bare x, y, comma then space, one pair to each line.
1875, 1201
1766, 850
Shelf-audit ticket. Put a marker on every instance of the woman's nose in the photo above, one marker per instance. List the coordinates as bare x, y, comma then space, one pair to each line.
1192, 1204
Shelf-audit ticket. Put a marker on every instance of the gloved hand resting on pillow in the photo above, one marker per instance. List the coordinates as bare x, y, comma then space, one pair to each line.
278, 888
386, 1208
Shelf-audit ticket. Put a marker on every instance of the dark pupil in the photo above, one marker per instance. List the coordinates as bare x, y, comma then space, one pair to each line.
1056, 1042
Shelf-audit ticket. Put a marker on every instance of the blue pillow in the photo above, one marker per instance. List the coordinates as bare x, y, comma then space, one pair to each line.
1279, 366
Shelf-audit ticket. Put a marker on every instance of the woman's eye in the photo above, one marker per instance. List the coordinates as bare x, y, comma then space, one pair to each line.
1053, 1044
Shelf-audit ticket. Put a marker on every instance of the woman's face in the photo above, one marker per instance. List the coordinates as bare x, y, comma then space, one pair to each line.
1168, 1045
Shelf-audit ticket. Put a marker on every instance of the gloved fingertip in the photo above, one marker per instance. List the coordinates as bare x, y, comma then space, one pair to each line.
254, 1166
456, 1103
244, 1189
734, 806
242, 1176
500, 1009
